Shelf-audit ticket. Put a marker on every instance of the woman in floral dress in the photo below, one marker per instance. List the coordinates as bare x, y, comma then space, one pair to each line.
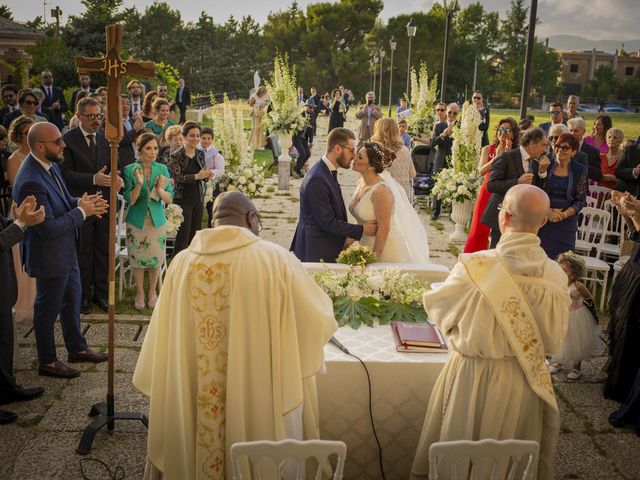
147, 190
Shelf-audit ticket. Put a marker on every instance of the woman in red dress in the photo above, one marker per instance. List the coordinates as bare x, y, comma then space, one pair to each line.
507, 136
609, 159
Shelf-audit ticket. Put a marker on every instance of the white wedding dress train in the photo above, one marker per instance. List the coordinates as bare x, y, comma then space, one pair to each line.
407, 241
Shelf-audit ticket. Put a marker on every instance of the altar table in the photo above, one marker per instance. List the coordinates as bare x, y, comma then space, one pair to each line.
401, 384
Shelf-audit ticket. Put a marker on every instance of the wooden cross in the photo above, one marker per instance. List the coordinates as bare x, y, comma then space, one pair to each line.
115, 68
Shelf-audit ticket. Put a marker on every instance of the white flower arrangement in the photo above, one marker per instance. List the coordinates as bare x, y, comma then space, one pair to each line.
229, 135
360, 295
247, 178
467, 140
286, 115
461, 180
424, 95
452, 186
175, 218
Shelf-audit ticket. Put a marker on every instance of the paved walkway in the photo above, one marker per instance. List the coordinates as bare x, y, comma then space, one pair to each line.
41, 445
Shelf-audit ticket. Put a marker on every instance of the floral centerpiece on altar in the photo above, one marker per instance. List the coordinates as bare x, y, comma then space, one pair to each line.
286, 115
424, 95
240, 173
461, 181
360, 295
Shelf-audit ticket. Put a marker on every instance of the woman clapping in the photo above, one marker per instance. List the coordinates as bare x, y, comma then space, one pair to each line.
146, 190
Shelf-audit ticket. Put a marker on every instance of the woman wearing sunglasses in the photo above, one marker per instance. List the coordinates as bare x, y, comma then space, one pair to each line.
507, 138
566, 185
28, 105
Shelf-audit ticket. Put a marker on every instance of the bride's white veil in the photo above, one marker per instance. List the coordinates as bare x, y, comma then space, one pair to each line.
406, 223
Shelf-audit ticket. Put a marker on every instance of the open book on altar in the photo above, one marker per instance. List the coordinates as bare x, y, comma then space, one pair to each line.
418, 337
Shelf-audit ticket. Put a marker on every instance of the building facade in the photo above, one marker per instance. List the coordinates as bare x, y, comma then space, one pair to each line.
578, 68
14, 58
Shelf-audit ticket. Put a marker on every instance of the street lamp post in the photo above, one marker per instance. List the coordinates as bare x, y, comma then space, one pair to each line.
375, 72
392, 46
447, 27
382, 54
528, 59
411, 32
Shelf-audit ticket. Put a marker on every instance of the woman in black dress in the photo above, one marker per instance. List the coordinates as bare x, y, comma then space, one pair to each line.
623, 368
188, 170
624, 305
338, 110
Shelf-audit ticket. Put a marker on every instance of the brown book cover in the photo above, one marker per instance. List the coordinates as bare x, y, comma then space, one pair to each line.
418, 337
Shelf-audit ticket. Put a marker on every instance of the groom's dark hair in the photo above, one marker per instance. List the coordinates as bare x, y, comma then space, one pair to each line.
339, 136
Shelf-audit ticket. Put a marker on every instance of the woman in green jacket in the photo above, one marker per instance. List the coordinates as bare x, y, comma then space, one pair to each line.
147, 190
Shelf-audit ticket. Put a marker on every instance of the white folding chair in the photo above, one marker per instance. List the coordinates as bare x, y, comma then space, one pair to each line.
462, 459
592, 202
122, 255
614, 233
591, 236
281, 452
601, 194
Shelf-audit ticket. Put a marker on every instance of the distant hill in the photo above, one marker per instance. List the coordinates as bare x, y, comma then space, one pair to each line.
573, 42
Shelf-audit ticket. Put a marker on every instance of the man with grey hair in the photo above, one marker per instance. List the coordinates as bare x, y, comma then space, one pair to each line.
368, 115
587, 155
502, 311
554, 133
526, 164
572, 106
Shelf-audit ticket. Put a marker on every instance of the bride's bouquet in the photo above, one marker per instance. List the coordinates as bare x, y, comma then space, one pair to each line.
356, 254
461, 181
424, 95
286, 115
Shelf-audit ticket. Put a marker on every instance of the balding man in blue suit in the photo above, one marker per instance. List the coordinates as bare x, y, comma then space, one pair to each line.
49, 251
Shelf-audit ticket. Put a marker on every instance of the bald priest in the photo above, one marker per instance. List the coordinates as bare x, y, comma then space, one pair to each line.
232, 349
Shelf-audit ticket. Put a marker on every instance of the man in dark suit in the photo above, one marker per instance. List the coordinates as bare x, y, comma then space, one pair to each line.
11, 233
49, 251
302, 97
323, 228
86, 169
183, 99
526, 164
135, 97
555, 114
443, 141
628, 171
85, 84
10, 99
588, 155
132, 128
54, 99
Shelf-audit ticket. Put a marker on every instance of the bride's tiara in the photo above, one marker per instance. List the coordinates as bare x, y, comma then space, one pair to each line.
386, 161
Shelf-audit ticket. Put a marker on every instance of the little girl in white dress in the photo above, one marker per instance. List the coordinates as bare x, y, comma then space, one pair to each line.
583, 333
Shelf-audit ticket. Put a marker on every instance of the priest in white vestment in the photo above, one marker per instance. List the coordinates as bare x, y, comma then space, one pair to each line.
501, 311
232, 348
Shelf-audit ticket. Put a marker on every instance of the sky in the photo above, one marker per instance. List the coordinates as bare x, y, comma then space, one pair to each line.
595, 19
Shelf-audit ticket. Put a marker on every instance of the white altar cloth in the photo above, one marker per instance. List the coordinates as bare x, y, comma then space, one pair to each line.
401, 385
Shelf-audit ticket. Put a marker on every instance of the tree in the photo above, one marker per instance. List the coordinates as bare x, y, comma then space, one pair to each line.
5, 12
604, 83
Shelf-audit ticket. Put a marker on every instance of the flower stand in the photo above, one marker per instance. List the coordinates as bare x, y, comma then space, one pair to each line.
284, 161
461, 215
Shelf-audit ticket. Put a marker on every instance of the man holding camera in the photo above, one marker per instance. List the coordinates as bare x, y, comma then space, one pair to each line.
368, 115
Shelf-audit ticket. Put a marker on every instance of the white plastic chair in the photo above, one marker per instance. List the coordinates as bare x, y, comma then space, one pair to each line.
591, 236
284, 450
601, 194
473, 455
122, 255
592, 202
614, 233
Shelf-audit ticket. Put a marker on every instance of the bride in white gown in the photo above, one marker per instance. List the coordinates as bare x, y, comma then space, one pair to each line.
401, 237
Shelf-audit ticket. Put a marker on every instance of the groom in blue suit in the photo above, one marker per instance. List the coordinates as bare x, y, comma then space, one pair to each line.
50, 251
323, 228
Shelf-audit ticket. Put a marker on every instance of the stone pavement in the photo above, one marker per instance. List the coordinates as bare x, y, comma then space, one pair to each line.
41, 445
